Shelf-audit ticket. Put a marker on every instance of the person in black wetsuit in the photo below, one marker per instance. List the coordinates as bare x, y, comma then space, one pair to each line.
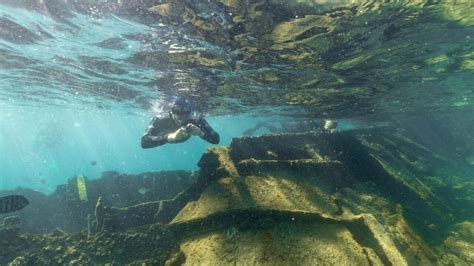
178, 126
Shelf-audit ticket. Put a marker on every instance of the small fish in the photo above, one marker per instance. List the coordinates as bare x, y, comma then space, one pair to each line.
143, 190
12, 203
330, 125
93, 162
271, 153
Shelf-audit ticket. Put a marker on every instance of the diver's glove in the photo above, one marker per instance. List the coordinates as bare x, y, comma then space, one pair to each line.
194, 130
179, 136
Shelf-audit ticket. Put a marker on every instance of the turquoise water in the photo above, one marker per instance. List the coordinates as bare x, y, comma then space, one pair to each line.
81, 80
70, 96
52, 128
46, 66
43, 147
79, 83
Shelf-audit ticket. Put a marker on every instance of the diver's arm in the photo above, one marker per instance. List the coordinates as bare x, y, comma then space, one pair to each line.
153, 141
150, 140
210, 135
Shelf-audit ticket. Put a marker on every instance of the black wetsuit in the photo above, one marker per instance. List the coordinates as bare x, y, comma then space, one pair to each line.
160, 127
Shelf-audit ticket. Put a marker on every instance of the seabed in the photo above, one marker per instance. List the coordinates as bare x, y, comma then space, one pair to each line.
361, 197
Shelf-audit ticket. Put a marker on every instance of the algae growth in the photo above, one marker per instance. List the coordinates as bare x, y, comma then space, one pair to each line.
330, 198
397, 194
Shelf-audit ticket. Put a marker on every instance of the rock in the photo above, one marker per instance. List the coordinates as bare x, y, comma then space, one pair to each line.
10, 228
272, 185
461, 242
57, 232
11, 222
285, 237
304, 198
64, 208
176, 259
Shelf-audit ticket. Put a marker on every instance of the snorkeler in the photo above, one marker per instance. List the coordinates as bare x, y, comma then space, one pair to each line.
178, 126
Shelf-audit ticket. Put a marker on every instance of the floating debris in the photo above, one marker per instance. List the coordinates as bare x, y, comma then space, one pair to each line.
81, 188
330, 125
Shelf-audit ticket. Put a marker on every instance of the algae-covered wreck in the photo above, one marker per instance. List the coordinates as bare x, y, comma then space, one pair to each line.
392, 186
330, 199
